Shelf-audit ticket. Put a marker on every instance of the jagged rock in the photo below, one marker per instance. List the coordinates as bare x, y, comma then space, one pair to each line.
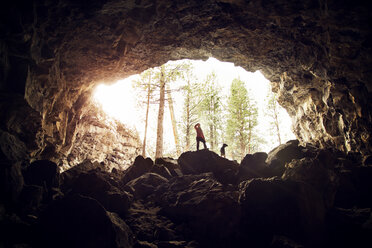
252, 166
100, 138
161, 170
96, 186
15, 232
349, 228
355, 188
146, 184
69, 176
144, 244
284, 242
367, 161
171, 164
211, 212
139, 167
286, 152
77, 221
149, 226
11, 181
281, 207
316, 172
203, 161
43, 173
30, 199
21, 128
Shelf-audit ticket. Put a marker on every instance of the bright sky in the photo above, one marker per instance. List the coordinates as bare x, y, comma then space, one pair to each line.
119, 102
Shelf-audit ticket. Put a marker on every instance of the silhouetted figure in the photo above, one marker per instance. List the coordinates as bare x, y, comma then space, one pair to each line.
222, 150
199, 136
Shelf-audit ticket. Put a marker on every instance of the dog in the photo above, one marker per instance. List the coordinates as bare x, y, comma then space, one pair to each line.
222, 150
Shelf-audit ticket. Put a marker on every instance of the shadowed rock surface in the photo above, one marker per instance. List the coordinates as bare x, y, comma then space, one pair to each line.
306, 207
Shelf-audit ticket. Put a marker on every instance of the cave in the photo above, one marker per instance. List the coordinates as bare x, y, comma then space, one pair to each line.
62, 177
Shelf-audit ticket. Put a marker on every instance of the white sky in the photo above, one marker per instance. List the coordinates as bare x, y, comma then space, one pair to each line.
118, 101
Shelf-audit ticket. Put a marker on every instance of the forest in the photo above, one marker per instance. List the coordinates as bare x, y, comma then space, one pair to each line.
230, 118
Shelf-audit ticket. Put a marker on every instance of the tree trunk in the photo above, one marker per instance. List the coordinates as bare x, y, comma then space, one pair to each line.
242, 144
277, 125
147, 117
188, 124
173, 119
211, 139
159, 136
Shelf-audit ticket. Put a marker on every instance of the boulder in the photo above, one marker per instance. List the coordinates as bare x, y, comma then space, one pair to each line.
146, 184
253, 166
149, 226
171, 164
11, 181
284, 153
203, 161
367, 160
161, 170
349, 228
355, 187
200, 202
78, 221
95, 185
42, 173
281, 207
15, 232
30, 199
139, 167
314, 171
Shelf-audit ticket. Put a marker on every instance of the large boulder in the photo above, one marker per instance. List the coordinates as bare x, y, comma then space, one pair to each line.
355, 187
145, 185
284, 153
68, 177
317, 172
149, 226
11, 181
171, 164
42, 173
95, 185
139, 167
281, 207
349, 228
161, 170
203, 161
205, 206
78, 221
253, 166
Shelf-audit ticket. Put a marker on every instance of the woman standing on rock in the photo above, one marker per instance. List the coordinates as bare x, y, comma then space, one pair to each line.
199, 136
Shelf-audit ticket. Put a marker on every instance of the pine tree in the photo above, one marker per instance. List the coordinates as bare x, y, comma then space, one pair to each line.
242, 119
273, 113
190, 108
145, 85
210, 108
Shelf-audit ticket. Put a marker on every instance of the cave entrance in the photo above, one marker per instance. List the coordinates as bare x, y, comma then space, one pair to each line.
199, 91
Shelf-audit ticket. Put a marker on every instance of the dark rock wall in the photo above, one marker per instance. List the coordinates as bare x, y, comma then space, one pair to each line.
317, 54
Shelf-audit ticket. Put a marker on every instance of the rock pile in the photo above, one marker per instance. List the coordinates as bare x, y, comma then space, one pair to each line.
295, 196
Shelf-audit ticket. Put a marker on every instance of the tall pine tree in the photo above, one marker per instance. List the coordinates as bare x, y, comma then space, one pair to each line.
210, 108
242, 119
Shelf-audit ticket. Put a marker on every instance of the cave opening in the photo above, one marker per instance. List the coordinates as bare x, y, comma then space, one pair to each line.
125, 100
65, 183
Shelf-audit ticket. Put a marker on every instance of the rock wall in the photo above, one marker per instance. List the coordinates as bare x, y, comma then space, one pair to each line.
317, 55
103, 139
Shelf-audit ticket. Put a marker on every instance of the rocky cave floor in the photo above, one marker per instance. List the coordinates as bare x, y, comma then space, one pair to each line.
295, 196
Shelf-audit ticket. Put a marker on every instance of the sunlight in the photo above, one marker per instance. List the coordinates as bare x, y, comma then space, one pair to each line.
120, 102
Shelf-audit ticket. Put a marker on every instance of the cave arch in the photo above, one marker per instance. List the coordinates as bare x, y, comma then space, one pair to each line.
317, 62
